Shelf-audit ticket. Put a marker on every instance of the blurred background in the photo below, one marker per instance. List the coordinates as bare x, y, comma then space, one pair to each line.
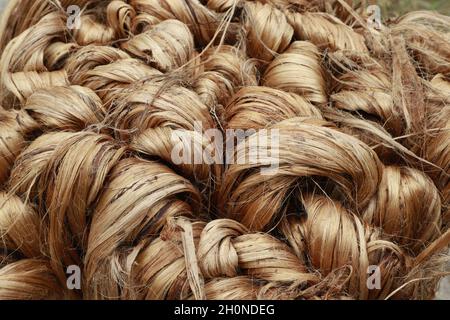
392, 8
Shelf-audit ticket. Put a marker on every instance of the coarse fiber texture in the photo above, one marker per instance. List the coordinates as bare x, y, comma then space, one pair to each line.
359, 112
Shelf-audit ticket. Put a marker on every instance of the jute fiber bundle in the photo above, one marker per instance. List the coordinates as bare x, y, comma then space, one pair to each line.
88, 116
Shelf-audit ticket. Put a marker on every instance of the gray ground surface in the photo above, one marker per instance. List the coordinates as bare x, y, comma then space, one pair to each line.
444, 289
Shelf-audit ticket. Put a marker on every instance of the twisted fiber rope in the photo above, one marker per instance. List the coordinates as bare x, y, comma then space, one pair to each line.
87, 178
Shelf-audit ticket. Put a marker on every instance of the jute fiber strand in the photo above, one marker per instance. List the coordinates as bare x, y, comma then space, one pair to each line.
88, 117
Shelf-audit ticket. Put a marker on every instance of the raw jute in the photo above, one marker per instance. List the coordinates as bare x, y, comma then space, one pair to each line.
87, 176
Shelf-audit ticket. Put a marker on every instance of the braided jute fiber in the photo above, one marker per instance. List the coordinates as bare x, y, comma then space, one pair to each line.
361, 116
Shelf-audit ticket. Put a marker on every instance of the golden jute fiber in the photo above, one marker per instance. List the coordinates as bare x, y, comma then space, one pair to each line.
91, 113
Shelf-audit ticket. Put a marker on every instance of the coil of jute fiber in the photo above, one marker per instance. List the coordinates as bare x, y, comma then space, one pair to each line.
90, 103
